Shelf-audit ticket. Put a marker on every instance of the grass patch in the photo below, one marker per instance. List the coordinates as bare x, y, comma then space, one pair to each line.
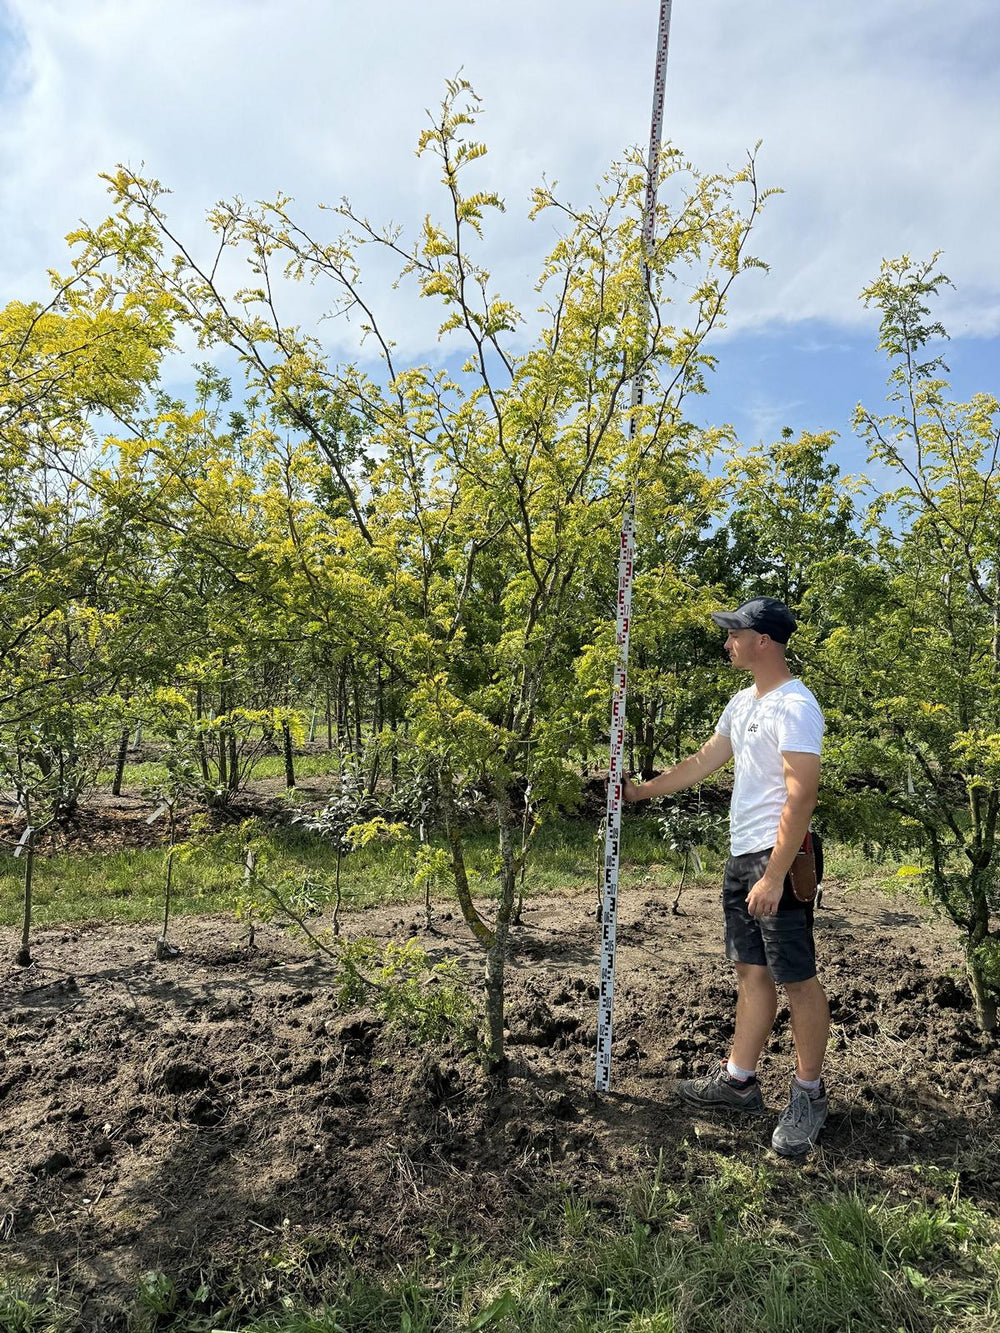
25, 1307
150, 773
743, 1248
855, 867
127, 885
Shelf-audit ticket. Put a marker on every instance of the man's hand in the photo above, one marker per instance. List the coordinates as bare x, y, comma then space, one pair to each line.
712, 755
764, 897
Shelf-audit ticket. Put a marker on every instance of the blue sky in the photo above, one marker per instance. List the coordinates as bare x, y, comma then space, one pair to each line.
811, 377
878, 121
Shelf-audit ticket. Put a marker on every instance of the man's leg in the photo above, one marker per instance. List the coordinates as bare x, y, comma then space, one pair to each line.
801, 1121
727, 1088
756, 1003
756, 1007
810, 1026
791, 958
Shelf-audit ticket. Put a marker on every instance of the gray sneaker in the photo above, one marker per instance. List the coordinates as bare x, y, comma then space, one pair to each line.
720, 1092
800, 1122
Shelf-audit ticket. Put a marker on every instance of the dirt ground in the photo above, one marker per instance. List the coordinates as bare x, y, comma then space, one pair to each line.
105, 823
205, 1111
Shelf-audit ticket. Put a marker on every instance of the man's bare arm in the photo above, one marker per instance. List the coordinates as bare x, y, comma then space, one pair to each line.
801, 772
713, 754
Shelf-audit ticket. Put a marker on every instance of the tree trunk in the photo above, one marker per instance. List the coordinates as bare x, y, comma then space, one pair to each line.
522, 862
69, 780
377, 720
249, 865
984, 999
428, 907
599, 845
356, 688
343, 730
496, 958
23, 958
496, 954
286, 742
162, 947
373, 772
199, 708
116, 786
329, 720
472, 918
647, 748
223, 748
336, 906
234, 767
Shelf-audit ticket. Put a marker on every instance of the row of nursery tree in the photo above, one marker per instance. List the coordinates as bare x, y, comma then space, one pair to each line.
418, 563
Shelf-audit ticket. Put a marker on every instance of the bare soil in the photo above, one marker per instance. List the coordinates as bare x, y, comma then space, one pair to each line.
104, 823
194, 1115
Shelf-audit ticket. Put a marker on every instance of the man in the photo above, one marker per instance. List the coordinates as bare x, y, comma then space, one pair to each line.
774, 730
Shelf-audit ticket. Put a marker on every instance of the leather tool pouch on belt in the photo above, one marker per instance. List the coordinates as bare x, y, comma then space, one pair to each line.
807, 868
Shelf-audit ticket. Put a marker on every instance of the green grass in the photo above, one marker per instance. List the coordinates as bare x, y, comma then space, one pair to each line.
743, 1247
127, 886
26, 1309
697, 1263
150, 773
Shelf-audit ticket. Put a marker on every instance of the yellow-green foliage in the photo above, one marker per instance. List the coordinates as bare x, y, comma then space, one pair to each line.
402, 984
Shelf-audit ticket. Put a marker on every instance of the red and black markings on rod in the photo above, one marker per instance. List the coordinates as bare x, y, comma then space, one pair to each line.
626, 565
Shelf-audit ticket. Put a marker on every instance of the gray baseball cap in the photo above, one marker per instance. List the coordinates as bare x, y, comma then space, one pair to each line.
766, 615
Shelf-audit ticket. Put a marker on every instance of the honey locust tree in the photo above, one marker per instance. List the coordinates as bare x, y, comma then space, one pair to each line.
88, 354
92, 350
788, 507
206, 496
913, 653
468, 533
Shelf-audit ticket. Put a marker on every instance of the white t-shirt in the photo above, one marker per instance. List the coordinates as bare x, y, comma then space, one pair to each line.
760, 731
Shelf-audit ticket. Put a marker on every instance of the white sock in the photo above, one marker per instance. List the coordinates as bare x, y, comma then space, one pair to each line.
810, 1085
734, 1071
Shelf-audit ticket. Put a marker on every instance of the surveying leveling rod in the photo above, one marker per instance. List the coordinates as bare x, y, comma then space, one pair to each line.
626, 560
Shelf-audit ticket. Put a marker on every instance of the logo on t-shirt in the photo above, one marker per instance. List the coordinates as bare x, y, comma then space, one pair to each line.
753, 727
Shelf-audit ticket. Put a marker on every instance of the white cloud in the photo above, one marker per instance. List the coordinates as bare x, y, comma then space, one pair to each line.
877, 121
